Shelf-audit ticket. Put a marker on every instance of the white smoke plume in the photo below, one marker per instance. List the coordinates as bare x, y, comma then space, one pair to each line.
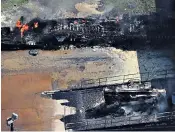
49, 9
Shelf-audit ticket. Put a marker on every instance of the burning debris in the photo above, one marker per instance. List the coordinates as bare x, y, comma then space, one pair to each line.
121, 30
24, 27
36, 25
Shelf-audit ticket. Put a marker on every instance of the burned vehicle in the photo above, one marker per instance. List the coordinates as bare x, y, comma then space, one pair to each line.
49, 34
120, 31
127, 100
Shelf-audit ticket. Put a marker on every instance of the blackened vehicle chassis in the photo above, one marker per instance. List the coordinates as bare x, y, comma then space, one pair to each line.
79, 32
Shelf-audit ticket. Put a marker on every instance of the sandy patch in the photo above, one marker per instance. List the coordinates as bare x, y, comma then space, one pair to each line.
86, 9
15, 64
20, 94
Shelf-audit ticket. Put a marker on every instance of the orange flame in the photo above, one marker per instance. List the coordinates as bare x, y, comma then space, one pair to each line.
35, 24
24, 28
18, 24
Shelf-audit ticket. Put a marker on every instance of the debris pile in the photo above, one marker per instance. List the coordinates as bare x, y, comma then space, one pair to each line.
122, 31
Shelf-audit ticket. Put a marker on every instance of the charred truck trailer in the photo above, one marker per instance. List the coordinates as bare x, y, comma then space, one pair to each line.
122, 30
128, 99
111, 105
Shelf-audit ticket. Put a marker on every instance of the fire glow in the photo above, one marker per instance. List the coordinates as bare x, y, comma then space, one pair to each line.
24, 27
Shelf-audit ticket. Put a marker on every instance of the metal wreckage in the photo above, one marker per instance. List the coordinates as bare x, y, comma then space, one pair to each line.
126, 99
122, 30
119, 105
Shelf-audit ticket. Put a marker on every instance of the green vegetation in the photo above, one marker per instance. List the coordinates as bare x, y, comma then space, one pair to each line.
7, 4
140, 5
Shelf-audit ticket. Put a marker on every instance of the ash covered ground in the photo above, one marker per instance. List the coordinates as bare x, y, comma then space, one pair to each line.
67, 68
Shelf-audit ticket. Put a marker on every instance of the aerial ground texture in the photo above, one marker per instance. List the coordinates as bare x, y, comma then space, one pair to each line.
24, 77
52, 9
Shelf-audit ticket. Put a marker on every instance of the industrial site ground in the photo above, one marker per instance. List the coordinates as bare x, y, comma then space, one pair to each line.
25, 77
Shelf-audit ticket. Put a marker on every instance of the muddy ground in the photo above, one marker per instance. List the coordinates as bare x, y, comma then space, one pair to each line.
24, 77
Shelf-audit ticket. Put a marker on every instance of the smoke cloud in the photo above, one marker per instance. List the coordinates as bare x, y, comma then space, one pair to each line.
49, 9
